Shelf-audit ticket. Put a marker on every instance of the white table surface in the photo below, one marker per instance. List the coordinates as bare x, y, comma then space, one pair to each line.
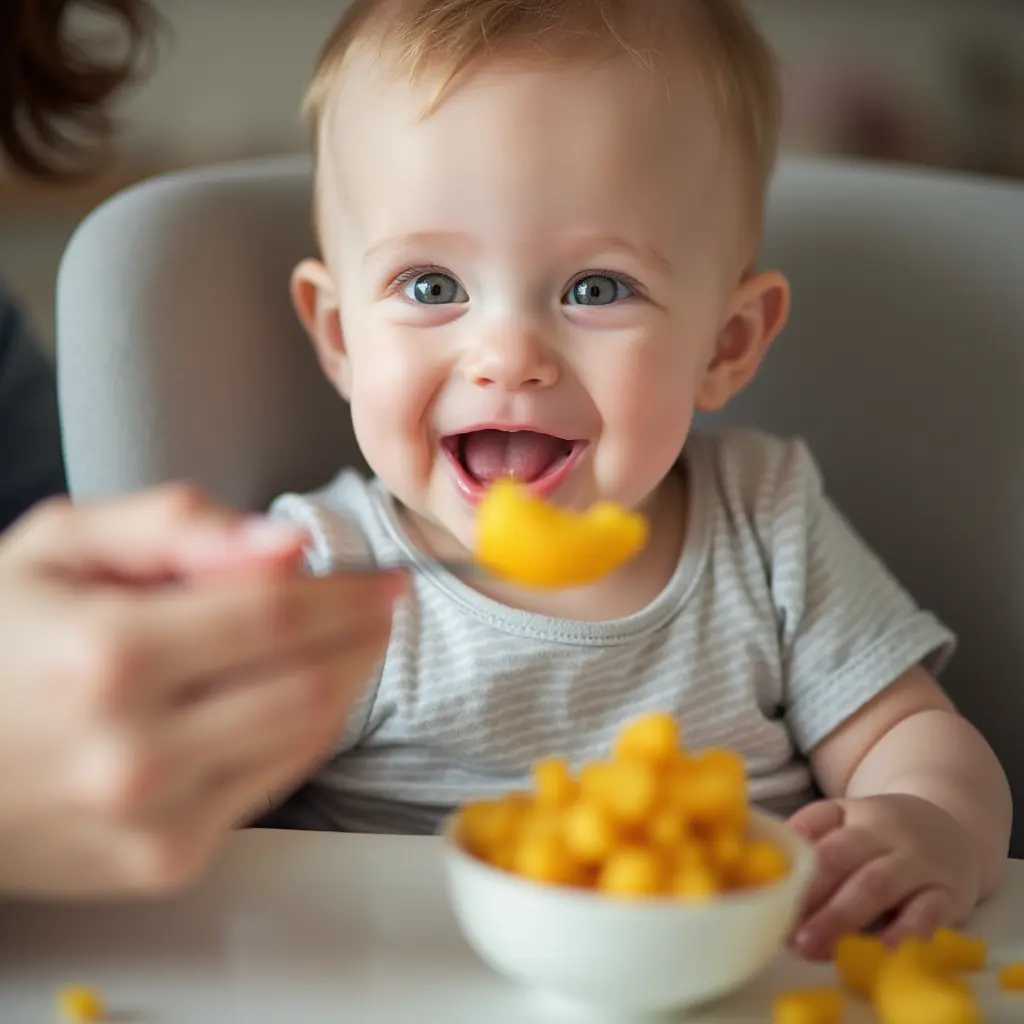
295, 927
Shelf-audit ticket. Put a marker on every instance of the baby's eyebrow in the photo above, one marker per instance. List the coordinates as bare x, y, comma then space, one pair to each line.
399, 245
645, 253
582, 248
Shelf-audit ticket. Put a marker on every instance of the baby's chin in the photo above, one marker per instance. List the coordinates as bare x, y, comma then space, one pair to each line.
438, 525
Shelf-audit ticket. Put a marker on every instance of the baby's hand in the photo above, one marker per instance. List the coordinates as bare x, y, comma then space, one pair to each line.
895, 862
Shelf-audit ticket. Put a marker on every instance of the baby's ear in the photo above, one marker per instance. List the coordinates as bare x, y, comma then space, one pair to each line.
756, 315
315, 298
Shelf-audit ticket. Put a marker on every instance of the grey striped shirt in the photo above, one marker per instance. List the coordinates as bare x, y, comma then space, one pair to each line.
777, 625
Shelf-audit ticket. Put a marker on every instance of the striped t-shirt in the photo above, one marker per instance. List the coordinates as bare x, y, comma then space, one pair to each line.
777, 625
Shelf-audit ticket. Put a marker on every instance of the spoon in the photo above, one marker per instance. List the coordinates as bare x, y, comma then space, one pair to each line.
462, 569
524, 540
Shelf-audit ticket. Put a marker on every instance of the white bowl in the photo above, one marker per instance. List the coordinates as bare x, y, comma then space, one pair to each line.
626, 956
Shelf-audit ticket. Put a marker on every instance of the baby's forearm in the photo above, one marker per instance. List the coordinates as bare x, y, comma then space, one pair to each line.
939, 756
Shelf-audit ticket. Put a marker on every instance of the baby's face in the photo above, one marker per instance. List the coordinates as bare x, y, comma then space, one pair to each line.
532, 281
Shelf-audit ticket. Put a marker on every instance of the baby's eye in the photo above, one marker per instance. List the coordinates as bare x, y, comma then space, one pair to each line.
434, 289
597, 290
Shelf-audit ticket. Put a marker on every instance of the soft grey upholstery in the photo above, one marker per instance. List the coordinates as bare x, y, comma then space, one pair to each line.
903, 365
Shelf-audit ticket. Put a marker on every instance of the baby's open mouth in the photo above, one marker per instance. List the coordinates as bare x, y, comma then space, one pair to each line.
526, 456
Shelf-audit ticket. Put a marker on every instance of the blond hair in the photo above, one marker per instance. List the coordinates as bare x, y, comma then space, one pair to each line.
442, 38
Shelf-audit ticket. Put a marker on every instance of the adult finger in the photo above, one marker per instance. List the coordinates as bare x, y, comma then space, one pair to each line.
921, 915
259, 724
839, 856
218, 766
159, 534
196, 635
875, 888
177, 849
171, 851
816, 820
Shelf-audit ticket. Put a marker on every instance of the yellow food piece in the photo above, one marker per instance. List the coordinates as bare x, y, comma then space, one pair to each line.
694, 882
667, 829
1011, 977
911, 989
629, 791
713, 790
553, 783
726, 762
677, 779
809, 1006
729, 853
688, 854
915, 983
914, 954
485, 826
589, 833
544, 859
654, 738
530, 542
858, 960
594, 780
925, 999
81, 1004
632, 871
503, 857
541, 823
956, 952
761, 863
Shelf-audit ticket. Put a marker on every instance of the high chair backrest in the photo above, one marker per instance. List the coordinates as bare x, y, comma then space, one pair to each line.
903, 365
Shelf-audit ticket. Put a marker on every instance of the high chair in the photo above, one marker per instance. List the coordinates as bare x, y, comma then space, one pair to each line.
903, 366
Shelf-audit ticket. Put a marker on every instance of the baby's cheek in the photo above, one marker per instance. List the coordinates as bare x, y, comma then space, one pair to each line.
646, 421
390, 409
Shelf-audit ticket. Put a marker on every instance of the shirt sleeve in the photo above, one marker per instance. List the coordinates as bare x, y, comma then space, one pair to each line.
335, 538
31, 459
848, 629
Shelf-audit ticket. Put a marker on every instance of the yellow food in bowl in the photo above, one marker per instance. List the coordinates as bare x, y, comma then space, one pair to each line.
653, 820
527, 541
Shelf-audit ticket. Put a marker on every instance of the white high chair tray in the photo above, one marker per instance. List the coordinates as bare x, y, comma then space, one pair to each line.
297, 928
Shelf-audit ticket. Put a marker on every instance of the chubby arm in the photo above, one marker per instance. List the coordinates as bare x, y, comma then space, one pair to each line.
911, 741
915, 825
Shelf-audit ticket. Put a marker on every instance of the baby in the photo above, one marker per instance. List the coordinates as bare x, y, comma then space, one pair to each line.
539, 223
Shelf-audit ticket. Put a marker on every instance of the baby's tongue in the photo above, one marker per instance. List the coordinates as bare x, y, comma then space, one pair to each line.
521, 455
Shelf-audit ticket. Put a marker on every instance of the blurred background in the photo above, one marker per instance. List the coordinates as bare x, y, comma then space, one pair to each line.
925, 82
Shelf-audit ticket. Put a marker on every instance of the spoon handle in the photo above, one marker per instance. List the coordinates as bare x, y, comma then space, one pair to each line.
464, 570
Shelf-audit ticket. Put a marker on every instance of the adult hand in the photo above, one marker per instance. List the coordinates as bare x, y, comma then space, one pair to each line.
165, 671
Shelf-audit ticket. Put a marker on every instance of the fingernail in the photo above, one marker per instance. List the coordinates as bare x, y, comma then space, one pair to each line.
270, 536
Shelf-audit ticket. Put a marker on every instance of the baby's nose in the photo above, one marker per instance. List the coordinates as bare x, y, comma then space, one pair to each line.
512, 358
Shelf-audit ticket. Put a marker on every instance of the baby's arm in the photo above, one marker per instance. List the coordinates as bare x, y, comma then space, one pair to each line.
915, 825
918, 819
910, 740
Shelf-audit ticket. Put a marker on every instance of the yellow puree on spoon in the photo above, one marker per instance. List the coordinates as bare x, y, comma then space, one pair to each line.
529, 542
